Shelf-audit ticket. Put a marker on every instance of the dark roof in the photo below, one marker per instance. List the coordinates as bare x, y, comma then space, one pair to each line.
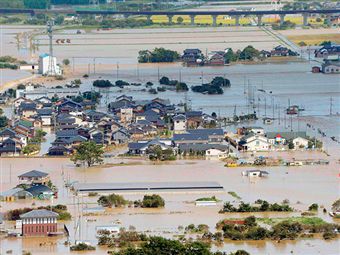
28, 106
136, 146
77, 138
34, 173
192, 51
179, 117
286, 135
36, 190
193, 114
7, 132
41, 213
9, 149
198, 134
201, 147
53, 149
67, 133
44, 112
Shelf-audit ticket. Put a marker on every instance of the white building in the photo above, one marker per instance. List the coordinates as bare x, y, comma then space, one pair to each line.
44, 62
216, 153
255, 143
300, 142
126, 115
180, 124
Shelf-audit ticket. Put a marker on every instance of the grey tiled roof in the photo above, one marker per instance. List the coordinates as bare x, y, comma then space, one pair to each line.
147, 186
201, 147
41, 213
34, 173
286, 135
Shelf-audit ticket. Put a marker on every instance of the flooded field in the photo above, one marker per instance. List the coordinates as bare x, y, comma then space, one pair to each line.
294, 183
116, 58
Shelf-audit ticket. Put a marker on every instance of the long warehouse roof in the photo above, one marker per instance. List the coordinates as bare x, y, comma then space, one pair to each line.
147, 186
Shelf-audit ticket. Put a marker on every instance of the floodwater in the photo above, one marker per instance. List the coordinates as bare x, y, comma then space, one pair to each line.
294, 183
300, 185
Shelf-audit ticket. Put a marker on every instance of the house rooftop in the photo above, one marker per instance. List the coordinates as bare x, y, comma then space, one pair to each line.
147, 186
286, 135
36, 190
41, 213
34, 174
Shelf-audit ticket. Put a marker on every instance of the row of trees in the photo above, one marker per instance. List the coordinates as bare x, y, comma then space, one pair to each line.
248, 53
214, 87
285, 229
159, 245
14, 214
114, 200
158, 55
107, 83
180, 86
260, 206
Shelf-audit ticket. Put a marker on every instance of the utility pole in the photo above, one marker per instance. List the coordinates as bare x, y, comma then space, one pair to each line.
117, 70
158, 76
285, 122
330, 106
51, 63
279, 115
273, 106
180, 75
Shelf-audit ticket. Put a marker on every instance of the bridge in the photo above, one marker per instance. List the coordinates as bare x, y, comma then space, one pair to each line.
170, 14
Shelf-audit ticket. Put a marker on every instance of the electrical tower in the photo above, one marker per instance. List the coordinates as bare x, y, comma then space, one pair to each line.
51, 60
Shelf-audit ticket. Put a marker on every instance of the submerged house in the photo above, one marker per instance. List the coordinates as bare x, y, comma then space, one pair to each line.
39, 223
34, 177
14, 194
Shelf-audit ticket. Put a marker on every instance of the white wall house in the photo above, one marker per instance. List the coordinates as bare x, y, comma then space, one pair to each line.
44, 61
257, 143
300, 142
180, 124
216, 153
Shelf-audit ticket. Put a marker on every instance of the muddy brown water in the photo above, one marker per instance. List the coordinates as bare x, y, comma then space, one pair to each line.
300, 185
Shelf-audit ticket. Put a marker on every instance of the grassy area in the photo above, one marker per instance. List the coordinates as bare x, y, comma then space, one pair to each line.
314, 39
213, 198
234, 194
310, 221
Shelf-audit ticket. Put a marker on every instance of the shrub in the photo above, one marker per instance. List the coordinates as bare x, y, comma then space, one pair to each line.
111, 200
313, 207
102, 83
153, 201
82, 247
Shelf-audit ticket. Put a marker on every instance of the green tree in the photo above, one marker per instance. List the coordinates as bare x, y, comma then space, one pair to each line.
66, 62
313, 207
180, 20
249, 53
89, 153
153, 201
111, 200
3, 121
291, 145
230, 56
